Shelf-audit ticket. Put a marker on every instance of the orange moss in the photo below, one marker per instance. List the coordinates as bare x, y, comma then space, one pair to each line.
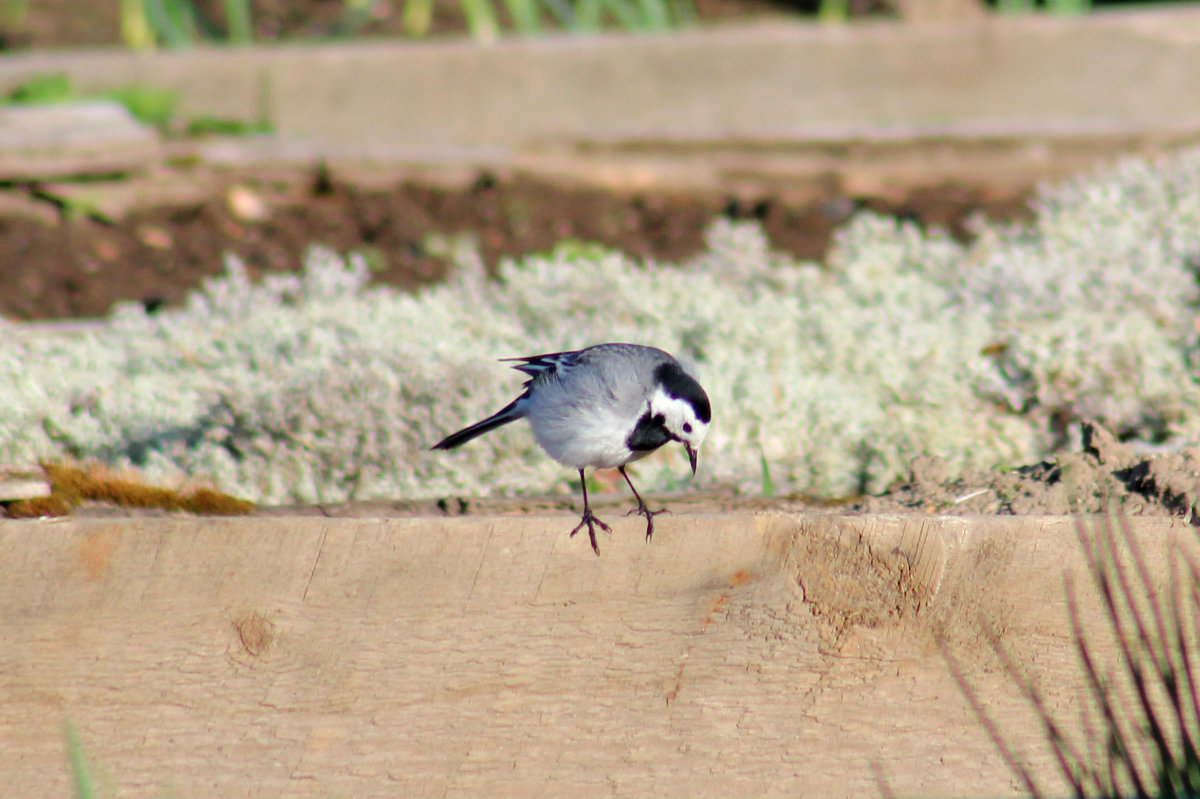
206, 502
71, 484
37, 507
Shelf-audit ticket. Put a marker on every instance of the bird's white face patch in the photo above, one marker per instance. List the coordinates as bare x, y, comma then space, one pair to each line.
679, 417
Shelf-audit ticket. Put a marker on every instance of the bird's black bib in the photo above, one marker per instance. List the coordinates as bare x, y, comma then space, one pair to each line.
649, 433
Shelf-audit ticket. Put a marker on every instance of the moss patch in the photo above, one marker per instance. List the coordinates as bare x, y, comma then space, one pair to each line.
72, 484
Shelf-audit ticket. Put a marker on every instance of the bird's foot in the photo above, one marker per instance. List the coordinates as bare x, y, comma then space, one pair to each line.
590, 521
643, 510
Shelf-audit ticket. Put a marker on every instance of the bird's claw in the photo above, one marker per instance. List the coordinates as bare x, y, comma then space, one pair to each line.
642, 510
590, 521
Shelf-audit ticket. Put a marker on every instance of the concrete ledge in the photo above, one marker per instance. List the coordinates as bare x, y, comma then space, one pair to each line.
735, 655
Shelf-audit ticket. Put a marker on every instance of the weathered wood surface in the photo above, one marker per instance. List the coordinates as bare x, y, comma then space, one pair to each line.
22, 482
73, 140
876, 105
735, 655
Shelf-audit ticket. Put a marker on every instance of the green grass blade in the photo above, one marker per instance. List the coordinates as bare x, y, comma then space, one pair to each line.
183, 21
588, 15
84, 786
238, 26
624, 13
147, 105
50, 87
655, 15
833, 12
768, 487
1014, 7
136, 30
173, 21
525, 15
481, 20
417, 17
1069, 8
564, 12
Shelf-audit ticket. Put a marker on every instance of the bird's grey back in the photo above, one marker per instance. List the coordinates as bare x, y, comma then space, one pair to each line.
620, 373
606, 380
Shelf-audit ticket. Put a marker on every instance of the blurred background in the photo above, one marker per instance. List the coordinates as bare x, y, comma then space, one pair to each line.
39, 24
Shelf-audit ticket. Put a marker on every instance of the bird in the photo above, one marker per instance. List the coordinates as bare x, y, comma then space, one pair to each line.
604, 406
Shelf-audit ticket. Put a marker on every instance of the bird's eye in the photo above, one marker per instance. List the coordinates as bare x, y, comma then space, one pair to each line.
687, 428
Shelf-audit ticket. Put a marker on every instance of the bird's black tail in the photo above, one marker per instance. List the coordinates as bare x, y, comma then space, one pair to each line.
510, 413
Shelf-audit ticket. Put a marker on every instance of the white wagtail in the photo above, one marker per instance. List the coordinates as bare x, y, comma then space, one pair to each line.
604, 407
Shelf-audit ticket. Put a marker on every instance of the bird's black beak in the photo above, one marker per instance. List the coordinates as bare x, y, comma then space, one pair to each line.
692, 455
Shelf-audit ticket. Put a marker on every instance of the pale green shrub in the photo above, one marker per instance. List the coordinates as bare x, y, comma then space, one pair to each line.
1097, 300
315, 387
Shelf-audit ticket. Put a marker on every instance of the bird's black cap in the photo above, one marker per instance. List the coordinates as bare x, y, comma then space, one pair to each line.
679, 384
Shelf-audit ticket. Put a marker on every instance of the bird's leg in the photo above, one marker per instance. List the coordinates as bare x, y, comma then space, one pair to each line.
589, 520
642, 509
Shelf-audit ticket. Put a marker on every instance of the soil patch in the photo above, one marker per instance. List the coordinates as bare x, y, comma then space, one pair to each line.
1106, 475
56, 266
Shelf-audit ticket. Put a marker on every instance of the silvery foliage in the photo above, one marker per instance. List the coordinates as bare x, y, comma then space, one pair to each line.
315, 387
1093, 306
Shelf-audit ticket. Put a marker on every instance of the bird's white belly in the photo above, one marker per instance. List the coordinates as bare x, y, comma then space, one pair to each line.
580, 443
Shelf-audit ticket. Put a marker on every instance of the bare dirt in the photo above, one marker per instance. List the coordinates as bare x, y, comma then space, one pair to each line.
56, 265
1105, 475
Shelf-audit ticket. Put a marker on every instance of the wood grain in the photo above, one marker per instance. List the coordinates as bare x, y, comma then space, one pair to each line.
735, 655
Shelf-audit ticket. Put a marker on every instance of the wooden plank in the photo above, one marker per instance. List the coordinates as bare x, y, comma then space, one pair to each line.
1031, 97
734, 655
22, 482
71, 140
